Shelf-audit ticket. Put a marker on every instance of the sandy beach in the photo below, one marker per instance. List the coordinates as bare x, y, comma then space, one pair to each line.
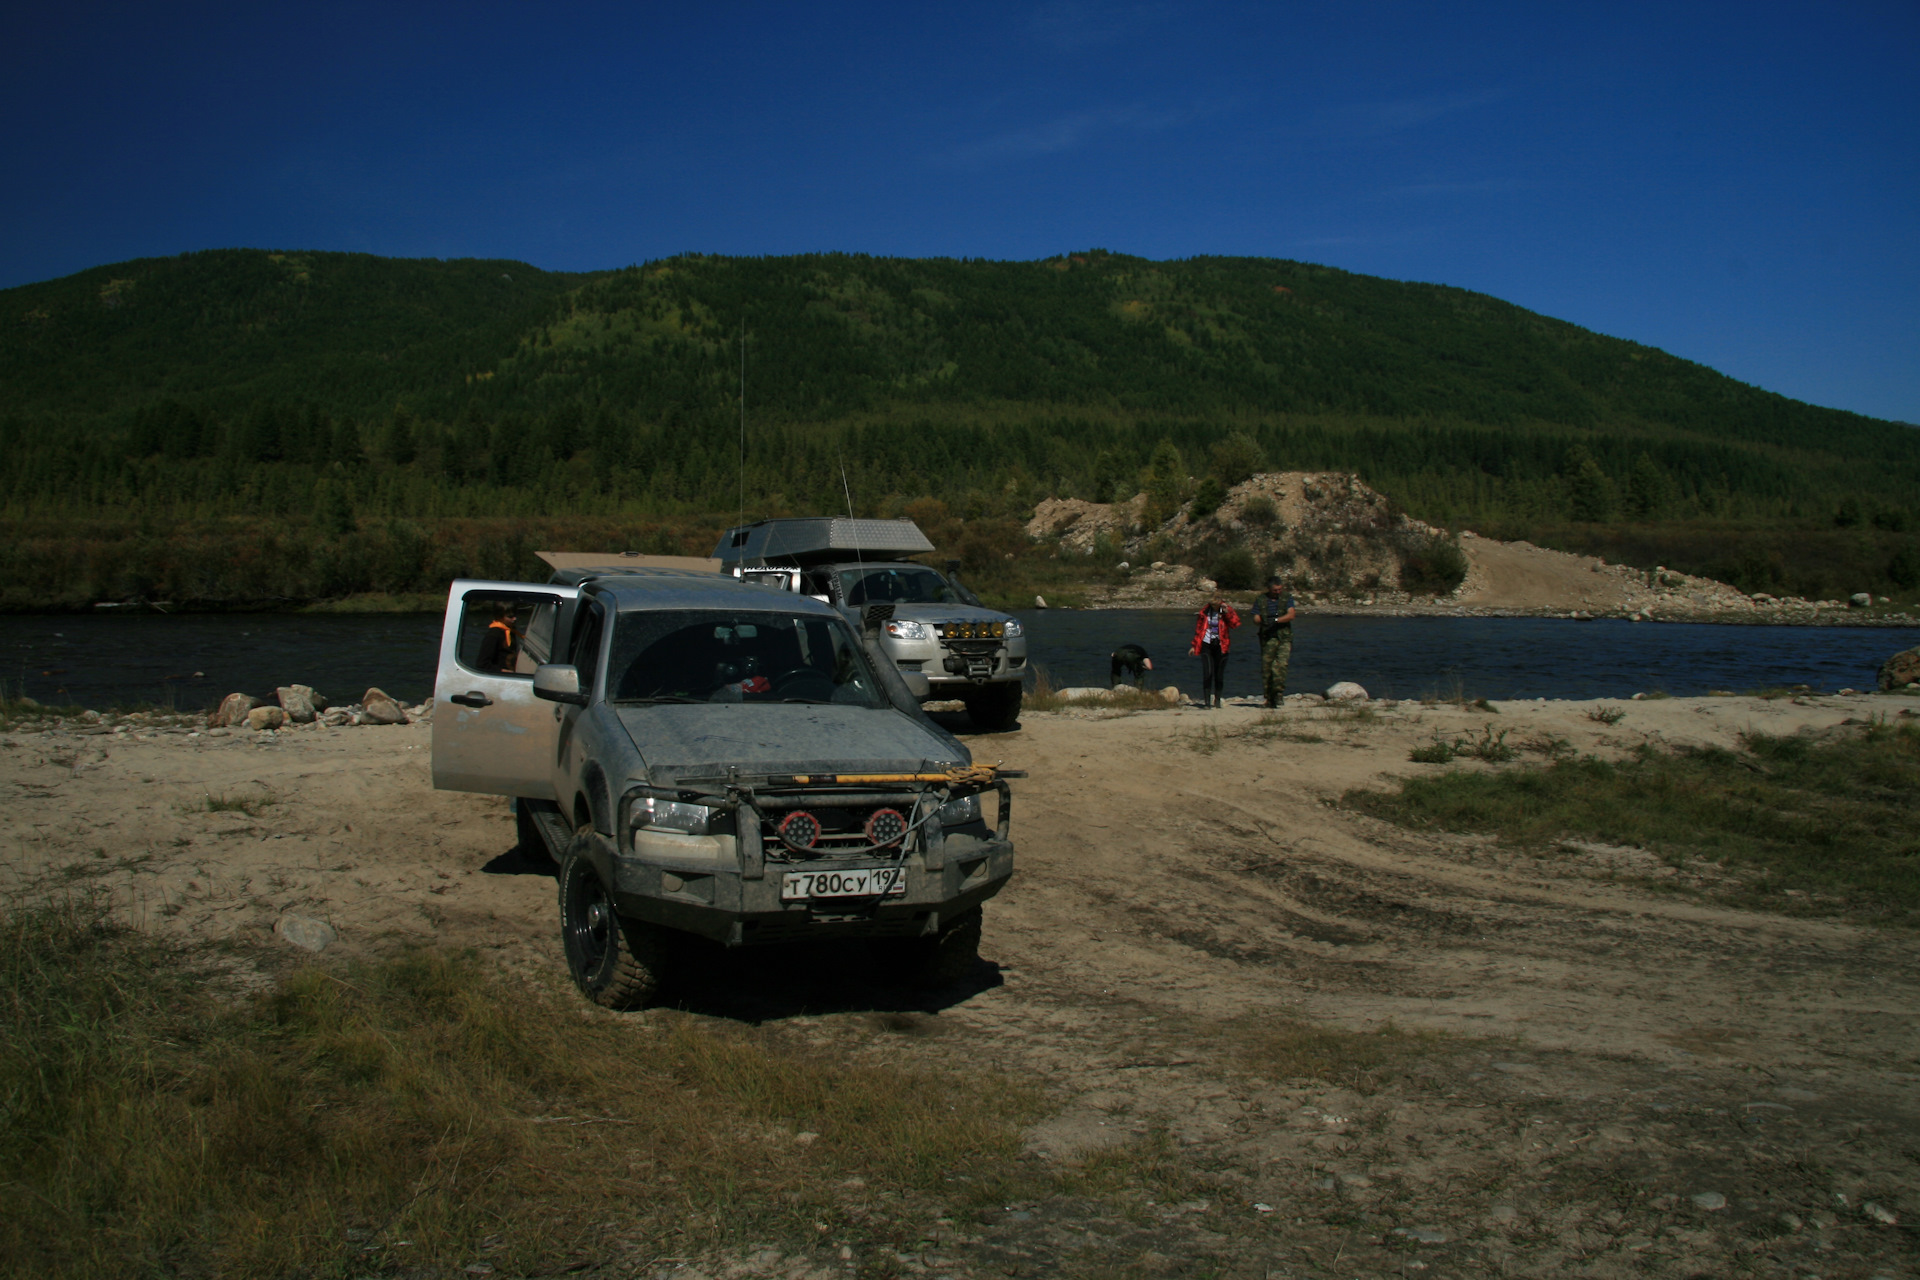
1182, 876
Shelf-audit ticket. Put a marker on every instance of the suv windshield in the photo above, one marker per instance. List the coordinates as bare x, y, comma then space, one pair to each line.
745, 656
900, 584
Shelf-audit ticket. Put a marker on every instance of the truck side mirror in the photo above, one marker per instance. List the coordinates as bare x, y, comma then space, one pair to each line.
558, 682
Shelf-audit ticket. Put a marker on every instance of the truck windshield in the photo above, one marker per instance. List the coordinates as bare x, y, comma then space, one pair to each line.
901, 584
746, 656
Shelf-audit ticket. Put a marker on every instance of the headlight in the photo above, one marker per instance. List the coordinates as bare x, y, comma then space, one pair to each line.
903, 630
672, 815
957, 813
1013, 628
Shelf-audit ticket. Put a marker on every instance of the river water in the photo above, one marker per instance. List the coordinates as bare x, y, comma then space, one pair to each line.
191, 662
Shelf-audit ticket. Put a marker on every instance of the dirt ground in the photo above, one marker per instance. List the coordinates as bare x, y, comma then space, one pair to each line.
1627, 1079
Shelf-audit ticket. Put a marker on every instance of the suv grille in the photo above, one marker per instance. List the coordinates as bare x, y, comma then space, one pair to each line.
841, 829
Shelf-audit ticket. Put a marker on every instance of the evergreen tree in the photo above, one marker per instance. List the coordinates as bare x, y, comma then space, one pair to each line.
333, 509
1166, 481
1649, 489
1590, 494
398, 442
1236, 458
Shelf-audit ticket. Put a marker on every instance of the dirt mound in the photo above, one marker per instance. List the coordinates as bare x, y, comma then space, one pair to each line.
1339, 540
1325, 529
1521, 577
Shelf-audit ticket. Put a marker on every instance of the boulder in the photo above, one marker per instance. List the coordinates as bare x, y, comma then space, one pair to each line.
1039, 602
1861, 600
378, 708
1171, 696
266, 718
1901, 670
298, 706
318, 699
1346, 691
233, 710
305, 932
337, 717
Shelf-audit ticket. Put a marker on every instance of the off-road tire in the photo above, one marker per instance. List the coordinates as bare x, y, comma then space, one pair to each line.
994, 708
617, 963
945, 958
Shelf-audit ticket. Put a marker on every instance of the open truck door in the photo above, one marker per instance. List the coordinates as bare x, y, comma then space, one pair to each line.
490, 734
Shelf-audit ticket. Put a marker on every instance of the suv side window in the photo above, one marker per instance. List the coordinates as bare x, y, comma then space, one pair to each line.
503, 633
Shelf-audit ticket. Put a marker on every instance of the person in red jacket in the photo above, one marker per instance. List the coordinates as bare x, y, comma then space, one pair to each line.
1210, 628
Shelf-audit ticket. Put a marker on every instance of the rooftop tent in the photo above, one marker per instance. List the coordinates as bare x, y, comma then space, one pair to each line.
615, 561
816, 540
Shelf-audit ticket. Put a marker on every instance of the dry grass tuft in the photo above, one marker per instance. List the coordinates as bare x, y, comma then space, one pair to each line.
1045, 696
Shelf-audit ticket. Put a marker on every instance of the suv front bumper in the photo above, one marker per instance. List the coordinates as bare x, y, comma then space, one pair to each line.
722, 903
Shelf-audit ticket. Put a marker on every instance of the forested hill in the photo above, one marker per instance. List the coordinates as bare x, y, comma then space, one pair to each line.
835, 336
348, 333
241, 380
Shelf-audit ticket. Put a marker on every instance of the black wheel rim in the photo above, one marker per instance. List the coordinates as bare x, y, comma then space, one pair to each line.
590, 924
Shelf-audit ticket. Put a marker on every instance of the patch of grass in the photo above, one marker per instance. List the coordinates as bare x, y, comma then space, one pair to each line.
417, 1114
1151, 1166
1206, 742
1364, 1061
1807, 823
1489, 746
1347, 713
1608, 716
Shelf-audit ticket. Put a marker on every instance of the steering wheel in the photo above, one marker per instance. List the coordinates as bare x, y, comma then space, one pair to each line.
803, 682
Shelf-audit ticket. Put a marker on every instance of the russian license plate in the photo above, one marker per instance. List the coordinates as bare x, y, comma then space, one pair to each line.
863, 882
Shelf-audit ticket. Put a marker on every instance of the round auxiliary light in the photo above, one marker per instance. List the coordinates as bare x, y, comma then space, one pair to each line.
886, 827
799, 830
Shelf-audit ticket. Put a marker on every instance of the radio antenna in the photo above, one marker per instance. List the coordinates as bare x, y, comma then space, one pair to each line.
743, 418
848, 490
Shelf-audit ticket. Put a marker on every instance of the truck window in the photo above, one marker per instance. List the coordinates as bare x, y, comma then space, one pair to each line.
496, 629
738, 656
900, 584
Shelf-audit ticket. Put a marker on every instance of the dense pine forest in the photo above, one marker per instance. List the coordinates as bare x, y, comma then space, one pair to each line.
244, 426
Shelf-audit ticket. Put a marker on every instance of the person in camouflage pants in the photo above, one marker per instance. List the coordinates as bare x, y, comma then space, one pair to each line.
1273, 615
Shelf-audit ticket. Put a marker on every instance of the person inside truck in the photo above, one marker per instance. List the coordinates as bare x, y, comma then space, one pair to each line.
500, 646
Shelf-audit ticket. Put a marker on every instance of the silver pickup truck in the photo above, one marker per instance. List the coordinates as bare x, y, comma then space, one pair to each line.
711, 756
924, 621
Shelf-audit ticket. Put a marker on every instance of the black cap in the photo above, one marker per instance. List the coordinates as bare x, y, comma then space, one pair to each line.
1276, 581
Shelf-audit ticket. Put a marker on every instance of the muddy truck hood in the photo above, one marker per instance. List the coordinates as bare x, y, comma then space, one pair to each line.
707, 740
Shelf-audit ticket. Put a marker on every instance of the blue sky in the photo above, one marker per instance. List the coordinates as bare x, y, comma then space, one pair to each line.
1738, 183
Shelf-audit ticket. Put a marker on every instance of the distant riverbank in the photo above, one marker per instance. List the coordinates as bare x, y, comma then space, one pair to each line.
189, 662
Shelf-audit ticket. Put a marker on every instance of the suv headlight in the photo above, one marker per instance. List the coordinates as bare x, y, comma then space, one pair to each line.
672, 815
957, 813
901, 629
1014, 629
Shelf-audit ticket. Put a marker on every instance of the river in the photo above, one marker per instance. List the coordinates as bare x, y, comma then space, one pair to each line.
190, 662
